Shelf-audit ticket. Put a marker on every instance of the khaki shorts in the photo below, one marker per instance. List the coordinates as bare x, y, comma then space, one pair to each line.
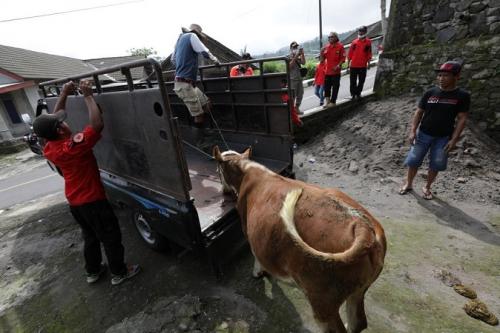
193, 97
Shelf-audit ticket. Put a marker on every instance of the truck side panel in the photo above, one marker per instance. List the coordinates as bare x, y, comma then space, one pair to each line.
138, 142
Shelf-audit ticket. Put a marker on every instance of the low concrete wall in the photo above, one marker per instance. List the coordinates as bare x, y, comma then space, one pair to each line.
323, 120
12, 146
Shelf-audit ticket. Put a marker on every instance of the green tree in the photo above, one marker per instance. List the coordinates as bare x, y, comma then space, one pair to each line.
144, 51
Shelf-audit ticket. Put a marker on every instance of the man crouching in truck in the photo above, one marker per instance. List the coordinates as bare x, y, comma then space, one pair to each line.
185, 57
82, 184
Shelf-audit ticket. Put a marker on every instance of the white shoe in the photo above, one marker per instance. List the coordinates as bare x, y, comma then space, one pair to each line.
132, 271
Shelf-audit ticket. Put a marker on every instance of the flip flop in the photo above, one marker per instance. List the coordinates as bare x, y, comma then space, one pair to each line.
427, 194
405, 190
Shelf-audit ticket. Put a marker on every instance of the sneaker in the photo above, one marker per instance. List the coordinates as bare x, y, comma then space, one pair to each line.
132, 271
94, 277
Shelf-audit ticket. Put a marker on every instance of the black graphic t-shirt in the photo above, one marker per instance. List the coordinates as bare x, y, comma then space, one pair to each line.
441, 109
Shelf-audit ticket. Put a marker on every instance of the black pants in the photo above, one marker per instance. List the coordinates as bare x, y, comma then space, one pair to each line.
100, 225
357, 85
332, 85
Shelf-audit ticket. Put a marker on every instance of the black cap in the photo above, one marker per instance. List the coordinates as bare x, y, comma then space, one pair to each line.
45, 125
453, 67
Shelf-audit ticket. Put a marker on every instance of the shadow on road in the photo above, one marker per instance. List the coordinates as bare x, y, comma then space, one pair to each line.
455, 218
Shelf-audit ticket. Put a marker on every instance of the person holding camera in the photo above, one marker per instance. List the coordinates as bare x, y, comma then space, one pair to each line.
242, 69
297, 59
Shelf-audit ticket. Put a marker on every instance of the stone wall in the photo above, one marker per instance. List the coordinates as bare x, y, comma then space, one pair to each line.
424, 33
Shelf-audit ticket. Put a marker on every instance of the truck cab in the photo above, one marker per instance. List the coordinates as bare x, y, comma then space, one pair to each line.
148, 159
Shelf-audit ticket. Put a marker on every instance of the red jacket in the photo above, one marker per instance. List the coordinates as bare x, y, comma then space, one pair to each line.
334, 55
360, 53
319, 76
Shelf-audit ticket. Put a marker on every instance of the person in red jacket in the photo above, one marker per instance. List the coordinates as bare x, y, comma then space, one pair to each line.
319, 81
360, 54
73, 155
242, 69
286, 99
334, 56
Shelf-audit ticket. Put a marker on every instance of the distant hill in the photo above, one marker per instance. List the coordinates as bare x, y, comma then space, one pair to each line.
311, 47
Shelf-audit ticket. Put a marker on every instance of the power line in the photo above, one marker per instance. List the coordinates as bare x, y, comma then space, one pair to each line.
69, 11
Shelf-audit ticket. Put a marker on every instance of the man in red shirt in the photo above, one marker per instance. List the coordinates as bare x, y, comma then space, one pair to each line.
360, 54
82, 184
242, 69
334, 56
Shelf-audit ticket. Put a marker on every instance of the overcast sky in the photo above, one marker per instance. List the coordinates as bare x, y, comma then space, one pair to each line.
260, 25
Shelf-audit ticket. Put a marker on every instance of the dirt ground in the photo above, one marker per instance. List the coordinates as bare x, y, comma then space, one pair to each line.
454, 237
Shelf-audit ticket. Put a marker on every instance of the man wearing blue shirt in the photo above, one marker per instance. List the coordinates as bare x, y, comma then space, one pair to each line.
185, 57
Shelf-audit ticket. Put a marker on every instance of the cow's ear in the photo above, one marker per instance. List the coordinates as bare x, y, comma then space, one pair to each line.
216, 153
247, 153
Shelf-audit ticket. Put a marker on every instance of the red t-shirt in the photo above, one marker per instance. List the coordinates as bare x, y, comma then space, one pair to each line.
319, 76
235, 71
74, 156
334, 55
360, 52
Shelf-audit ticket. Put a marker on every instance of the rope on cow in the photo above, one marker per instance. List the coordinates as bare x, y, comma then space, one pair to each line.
198, 150
218, 129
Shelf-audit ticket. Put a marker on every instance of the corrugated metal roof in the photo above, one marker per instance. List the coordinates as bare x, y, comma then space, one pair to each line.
137, 73
40, 66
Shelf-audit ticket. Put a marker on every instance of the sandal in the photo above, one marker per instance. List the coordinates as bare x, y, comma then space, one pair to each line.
405, 190
427, 194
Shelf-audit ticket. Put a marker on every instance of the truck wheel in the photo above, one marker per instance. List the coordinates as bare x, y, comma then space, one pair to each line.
153, 239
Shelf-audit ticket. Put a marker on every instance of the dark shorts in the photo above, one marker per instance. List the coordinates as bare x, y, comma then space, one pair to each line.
438, 158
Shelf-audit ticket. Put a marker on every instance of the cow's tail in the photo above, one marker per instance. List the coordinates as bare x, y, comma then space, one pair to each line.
364, 236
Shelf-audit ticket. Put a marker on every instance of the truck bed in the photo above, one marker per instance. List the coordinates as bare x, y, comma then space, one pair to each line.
209, 200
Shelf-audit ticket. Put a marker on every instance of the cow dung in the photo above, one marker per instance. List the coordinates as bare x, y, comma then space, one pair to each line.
465, 291
479, 310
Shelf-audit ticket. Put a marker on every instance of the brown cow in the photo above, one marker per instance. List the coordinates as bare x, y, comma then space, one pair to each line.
321, 239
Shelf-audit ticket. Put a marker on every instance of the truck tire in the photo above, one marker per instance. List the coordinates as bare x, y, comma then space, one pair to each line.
152, 239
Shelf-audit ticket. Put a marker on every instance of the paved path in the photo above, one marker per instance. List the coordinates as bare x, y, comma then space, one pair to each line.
29, 185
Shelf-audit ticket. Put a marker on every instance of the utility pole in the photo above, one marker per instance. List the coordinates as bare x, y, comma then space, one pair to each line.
320, 28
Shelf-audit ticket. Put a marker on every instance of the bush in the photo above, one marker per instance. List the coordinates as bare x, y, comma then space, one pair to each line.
274, 67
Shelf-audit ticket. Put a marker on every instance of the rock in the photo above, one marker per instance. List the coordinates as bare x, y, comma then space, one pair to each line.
461, 180
477, 7
471, 164
223, 327
495, 28
353, 166
446, 34
494, 175
183, 327
311, 160
470, 151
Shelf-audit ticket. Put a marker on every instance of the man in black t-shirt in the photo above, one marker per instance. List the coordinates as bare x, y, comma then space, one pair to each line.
436, 126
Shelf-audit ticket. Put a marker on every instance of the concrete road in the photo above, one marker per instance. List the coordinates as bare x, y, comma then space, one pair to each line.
29, 185
310, 100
